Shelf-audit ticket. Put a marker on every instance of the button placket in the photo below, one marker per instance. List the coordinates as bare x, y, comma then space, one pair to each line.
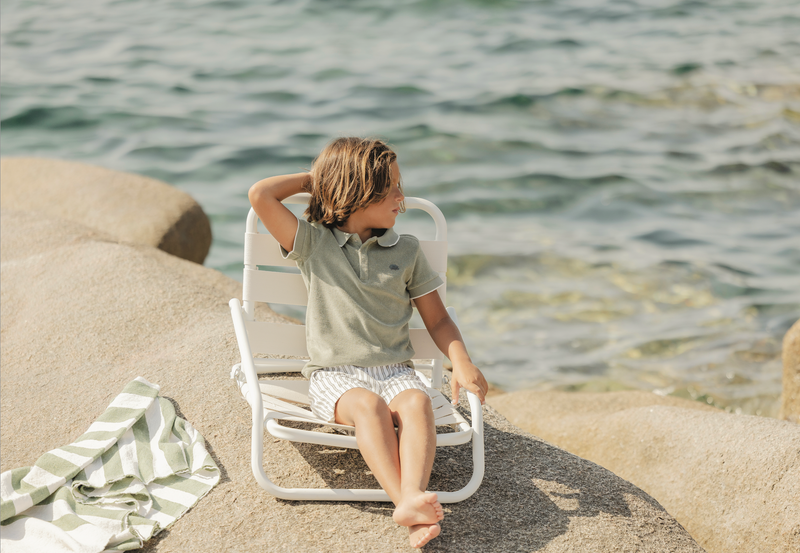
362, 261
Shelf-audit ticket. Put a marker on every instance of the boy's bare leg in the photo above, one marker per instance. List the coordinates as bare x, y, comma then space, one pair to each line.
376, 438
375, 435
417, 509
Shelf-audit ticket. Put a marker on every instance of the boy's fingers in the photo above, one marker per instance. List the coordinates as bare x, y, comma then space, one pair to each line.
478, 391
473, 387
454, 386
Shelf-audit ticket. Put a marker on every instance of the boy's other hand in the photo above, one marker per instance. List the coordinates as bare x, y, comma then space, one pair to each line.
467, 375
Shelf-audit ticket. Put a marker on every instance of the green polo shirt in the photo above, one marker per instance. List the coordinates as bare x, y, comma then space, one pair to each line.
359, 295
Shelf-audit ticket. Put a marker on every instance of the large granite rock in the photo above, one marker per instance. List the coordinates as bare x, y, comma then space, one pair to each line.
83, 314
790, 396
733, 481
129, 207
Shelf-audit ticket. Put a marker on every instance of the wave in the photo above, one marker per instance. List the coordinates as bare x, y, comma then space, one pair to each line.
169, 153
277, 96
704, 92
531, 181
517, 100
529, 45
403, 91
669, 239
255, 73
64, 117
783, 168
256, 157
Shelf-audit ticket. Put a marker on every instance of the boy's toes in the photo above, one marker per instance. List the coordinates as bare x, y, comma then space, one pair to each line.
421, 534
420, 509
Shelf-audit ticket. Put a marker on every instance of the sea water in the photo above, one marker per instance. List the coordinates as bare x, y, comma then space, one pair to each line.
621, 178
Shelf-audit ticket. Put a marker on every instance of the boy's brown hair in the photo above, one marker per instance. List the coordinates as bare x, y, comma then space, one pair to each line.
349, 174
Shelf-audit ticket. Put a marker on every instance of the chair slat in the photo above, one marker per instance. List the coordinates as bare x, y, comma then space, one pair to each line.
436, 254
263, 249
270, 365
348, 429
451, 418
437, 400
274, 287
277, 338
275, 404
291, 390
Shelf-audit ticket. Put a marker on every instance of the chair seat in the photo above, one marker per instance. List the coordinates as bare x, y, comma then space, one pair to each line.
287, 400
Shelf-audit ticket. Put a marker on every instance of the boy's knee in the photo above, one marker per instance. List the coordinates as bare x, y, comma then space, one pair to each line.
370, 404
415, 400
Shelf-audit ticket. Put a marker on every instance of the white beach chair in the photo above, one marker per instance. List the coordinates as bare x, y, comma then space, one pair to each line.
275, 400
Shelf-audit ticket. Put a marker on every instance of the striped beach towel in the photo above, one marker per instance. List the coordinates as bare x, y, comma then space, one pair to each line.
136, 470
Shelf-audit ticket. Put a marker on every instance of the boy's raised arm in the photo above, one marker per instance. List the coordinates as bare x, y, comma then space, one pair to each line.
266, 196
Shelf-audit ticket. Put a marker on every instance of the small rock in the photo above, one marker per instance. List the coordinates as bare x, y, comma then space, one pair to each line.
128, 207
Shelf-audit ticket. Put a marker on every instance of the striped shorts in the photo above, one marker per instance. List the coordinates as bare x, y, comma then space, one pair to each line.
329, 384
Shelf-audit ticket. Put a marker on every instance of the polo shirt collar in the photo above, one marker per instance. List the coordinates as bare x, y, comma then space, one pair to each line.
389, 238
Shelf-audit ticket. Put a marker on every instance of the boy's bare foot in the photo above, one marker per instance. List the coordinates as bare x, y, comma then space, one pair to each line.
423, 508
420, 534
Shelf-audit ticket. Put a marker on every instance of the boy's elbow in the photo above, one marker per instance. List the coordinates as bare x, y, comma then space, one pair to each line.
255, 194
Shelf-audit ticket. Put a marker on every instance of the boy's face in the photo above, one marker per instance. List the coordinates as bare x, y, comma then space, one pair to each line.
384, 213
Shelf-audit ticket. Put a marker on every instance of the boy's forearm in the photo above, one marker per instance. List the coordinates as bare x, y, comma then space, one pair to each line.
280, 187
448, 339
266, 196
457, 352
465, 373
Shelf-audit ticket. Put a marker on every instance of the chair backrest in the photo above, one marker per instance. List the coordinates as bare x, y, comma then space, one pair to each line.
266, 281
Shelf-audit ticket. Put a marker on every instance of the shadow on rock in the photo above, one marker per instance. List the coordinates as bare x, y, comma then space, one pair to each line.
532, 492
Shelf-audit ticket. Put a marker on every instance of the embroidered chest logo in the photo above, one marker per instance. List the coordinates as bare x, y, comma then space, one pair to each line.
394, 267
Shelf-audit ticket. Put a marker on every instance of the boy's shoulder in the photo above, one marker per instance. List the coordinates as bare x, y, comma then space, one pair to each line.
409, 239
406, 243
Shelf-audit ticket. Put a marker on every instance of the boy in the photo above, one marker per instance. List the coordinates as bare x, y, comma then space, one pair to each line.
361, 278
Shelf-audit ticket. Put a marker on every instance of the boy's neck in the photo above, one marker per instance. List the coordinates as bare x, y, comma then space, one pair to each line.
364, 234
352, 226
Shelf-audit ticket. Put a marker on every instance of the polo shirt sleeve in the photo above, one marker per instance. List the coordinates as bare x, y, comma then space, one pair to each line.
305, 239
424, 279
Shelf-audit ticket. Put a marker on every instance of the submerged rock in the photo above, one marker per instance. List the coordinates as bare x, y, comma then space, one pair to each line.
129, 207
83, 313
790, 396
733, 481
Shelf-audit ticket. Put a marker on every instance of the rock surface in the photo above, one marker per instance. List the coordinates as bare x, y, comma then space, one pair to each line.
554, 416
83, 314
790, 396
129, 207
733, 481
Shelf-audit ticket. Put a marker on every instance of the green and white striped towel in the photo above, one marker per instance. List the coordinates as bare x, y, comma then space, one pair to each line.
136, 470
